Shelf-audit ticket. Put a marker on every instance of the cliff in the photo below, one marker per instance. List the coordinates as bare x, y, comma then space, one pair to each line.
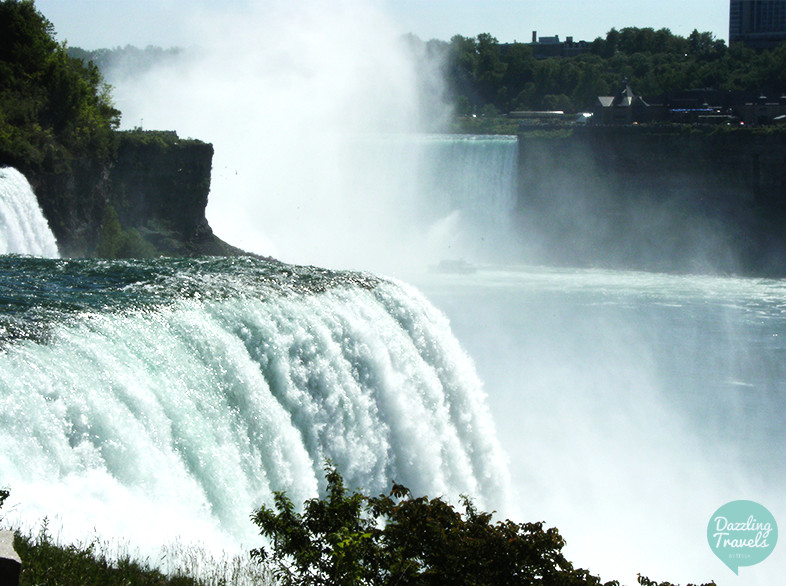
149, 199
676, 198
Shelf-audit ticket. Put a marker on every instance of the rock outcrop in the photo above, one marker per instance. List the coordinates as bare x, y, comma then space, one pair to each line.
156, 187
10, 562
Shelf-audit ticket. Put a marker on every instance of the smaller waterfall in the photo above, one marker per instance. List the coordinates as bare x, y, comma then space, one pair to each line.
23, 228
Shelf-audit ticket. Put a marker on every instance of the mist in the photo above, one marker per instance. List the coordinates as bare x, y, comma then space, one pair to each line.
303, 103
631, 405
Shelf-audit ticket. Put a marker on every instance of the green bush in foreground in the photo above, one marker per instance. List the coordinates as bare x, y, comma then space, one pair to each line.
352, 539
396, 539
347, 539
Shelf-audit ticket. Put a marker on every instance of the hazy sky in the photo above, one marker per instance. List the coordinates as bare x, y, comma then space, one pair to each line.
93, 24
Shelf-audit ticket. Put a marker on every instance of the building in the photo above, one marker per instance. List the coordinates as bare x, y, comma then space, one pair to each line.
625, 107
759, 24
696, 106
545, 47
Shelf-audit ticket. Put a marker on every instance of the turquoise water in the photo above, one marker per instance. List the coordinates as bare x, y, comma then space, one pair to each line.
171, 397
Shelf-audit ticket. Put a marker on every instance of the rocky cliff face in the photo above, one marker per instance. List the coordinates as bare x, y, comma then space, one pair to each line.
162, 179
73, 202
156, 188
676, 198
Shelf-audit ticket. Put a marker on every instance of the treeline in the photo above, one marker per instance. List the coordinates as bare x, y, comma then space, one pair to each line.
130, 60
54, 108
486, 77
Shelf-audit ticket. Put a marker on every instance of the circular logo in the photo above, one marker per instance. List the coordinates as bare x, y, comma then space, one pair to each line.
742, 533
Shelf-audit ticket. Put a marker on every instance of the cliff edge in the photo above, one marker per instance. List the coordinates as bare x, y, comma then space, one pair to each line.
149, 199
680, 198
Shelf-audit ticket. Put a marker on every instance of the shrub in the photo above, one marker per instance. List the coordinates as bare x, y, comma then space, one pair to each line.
115, 242
352, 539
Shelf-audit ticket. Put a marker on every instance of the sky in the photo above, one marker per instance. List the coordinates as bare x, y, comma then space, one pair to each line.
93, 24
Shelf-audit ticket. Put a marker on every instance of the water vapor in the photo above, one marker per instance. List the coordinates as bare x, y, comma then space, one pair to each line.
293, 95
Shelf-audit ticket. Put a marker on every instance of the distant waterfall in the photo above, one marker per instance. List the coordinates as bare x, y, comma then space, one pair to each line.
23, 228
376, 202
477, 173
472, 180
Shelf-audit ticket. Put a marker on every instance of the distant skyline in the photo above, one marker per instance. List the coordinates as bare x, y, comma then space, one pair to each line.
93, 24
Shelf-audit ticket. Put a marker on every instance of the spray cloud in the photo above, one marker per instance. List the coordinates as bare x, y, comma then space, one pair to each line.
295, 97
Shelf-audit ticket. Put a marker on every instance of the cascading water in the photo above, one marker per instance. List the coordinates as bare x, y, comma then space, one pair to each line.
171, 397
632, 405
467, 189
23, 228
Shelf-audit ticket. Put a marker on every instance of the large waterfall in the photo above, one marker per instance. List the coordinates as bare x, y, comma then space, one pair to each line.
23, 228
171, 397
376, 202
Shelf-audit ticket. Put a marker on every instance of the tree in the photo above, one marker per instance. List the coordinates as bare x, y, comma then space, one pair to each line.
462, 70
491, 68
115, 242
482, 73
351, 539
333, 541
704, 45
54, 108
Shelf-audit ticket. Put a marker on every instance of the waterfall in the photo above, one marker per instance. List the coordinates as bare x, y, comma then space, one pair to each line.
171, 397
378, 202
471, 182
23, 228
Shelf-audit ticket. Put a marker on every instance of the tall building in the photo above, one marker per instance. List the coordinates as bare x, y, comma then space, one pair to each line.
760, 24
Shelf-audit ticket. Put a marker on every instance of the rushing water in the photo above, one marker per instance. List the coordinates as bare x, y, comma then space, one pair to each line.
632, 406
23, 228
171, 397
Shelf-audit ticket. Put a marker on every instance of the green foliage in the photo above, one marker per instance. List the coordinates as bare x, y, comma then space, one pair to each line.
115, 242
162, 139
332, 542
45, 562
53, 107
133, 60
352, 539
482, 72
111, 238
4, 494
481, 125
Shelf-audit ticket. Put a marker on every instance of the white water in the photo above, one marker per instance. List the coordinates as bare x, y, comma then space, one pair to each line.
632, 406
174, 424
311, 107
23, 228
